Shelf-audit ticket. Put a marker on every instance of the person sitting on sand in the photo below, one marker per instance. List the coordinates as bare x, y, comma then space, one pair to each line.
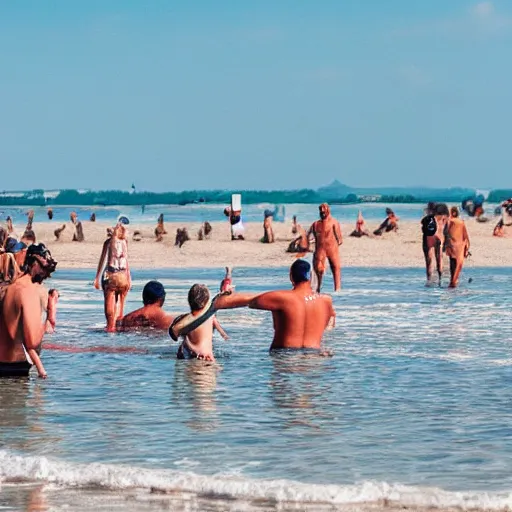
360, 227
300, 315
160, 229
59, 231
299, 244
181, 237
390, 223
235, 221
268, 232
116, 280
151, 314
328, 238
457, 245
433, 233
92, 218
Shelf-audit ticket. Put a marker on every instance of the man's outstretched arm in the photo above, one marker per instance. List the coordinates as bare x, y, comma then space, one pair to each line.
269, 301
234, 300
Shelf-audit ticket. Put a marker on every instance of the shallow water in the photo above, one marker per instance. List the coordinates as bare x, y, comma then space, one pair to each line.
413, 407
195, 213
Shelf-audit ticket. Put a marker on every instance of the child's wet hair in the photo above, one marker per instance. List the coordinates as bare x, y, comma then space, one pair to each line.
198, 297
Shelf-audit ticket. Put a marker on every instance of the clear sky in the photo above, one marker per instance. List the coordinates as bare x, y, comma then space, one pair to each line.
262, 94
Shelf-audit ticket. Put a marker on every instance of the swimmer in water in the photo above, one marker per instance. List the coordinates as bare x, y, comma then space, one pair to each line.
151, 315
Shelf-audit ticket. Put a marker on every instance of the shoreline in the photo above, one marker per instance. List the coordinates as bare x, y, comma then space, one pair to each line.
397, 250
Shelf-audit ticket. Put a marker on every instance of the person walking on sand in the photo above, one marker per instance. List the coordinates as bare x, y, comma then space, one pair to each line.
457, 245
116, 281
23, 305
328, 238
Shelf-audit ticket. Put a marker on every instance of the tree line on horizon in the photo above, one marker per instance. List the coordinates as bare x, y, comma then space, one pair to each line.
119, 197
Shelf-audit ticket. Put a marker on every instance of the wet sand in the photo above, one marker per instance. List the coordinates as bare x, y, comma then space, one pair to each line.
402, 249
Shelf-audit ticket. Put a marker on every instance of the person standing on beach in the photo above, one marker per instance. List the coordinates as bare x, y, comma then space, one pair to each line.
23, 305
457, 245
116, 281
433, 227
328, 238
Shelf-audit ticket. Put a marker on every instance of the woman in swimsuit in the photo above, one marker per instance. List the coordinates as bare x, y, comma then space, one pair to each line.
116, 281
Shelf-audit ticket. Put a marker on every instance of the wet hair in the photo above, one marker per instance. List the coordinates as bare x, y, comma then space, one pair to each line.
389, 211
44, 253
29, 235
441, 209
153, 292
431, 207
454, 211
300, 271
198, 297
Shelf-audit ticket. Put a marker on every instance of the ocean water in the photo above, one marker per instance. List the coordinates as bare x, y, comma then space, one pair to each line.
413, 410
307, 213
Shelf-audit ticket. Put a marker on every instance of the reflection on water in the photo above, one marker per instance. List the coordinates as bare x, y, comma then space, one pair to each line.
194, 388
416, 392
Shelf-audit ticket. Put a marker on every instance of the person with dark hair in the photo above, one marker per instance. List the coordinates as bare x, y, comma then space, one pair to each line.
300, 315
433, 227
268, 232
160, 229
457, 245
50, 213
390, 223
151, 315
328, 238
300, 243
24, 303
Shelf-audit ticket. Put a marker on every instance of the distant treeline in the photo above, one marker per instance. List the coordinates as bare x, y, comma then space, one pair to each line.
497, 196
117, 197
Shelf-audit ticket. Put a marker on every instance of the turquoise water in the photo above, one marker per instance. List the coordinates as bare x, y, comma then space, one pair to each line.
413, 407
306, 213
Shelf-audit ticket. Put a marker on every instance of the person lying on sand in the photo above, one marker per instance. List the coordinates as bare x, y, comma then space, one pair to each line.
360, 227
151, 315
300, 315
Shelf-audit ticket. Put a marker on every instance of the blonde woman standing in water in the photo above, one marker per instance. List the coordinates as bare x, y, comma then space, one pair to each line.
116, 280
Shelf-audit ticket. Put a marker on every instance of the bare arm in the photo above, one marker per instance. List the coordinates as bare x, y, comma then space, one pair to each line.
270, 301
234, 300
311, 234
101, 263
222, 332
33, 330
337, 232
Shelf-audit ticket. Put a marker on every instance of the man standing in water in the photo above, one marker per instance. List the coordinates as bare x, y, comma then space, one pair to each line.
457, 245
328, 238
300, 316
25, 301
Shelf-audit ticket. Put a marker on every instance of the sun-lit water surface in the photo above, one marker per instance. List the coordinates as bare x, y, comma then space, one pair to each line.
417, 393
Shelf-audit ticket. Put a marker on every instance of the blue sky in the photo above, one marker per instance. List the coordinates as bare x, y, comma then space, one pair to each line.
263, 94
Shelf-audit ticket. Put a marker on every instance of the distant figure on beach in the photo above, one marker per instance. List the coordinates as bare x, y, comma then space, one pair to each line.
115, 271
181, 237
50, 213
23, 306
505, 212
92, 218
160, 229
205, 231
30, 219
72, 217
360, 227
59, 231
433, 227
137, 236
300, 243
198, 342
457, 245
143, 209
328, 238
151, 315
235, 221
268, 232
390, 223
10, 228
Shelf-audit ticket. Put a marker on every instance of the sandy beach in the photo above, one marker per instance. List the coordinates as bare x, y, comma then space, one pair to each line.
402, 249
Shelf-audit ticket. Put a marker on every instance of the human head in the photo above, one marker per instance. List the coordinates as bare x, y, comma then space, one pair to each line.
389, 211
454, 211
153, 293
431, 207
325, 211
198, 297
120, 231
39, 263
300, 272
29, 237
441, 209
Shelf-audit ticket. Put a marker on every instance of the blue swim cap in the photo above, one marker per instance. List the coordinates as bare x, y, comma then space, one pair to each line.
153, 292
300, 271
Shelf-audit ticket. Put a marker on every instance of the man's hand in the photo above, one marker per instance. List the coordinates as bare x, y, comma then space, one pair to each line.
97, 283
